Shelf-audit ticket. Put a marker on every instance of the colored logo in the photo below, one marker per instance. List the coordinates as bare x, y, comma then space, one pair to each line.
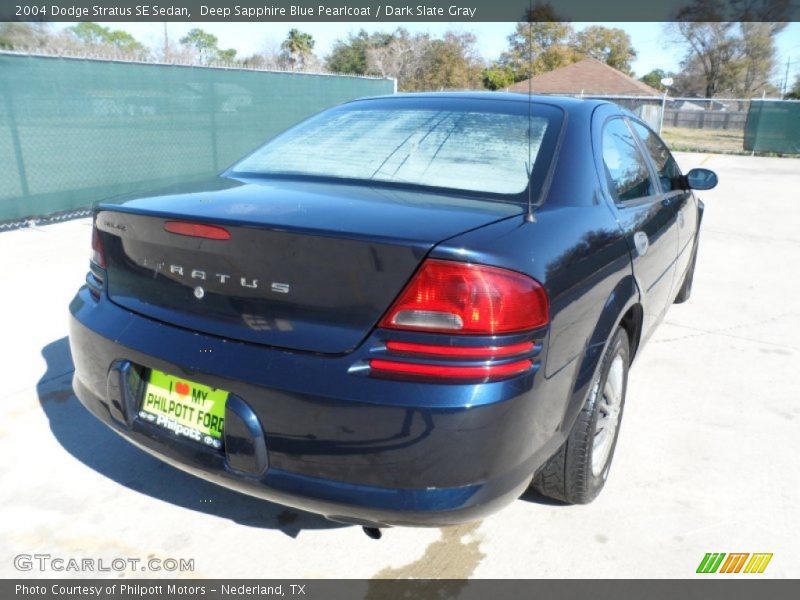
737, 562
182, 388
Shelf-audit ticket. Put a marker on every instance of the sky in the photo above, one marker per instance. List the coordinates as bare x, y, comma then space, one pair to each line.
649, 39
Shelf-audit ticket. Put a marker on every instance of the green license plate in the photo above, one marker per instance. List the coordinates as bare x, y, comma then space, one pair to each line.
186, 408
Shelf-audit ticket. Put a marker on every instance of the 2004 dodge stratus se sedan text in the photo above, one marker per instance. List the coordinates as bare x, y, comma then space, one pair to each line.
402, 311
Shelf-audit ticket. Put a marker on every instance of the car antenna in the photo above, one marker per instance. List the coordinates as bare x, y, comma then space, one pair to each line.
529, 218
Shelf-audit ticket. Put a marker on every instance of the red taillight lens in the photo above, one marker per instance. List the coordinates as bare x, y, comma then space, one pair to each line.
98, 254
210, 232
453, 297
473, 352
487, 372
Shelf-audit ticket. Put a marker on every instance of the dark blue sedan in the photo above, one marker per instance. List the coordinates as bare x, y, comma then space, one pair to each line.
403, 311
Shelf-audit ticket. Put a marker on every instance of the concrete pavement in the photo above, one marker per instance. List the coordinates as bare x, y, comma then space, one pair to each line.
706, 461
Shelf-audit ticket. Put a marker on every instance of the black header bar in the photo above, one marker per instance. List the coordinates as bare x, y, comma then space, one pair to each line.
705, 588
399, 10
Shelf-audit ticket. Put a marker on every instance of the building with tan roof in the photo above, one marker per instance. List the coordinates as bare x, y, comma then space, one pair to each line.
589, 77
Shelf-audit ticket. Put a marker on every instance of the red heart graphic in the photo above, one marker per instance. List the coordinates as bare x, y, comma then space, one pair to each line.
182, 388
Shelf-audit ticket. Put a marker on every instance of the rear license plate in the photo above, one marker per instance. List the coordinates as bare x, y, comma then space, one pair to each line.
186, 408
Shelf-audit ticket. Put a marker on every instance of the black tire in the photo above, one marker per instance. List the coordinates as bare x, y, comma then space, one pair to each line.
686, 287
568, 475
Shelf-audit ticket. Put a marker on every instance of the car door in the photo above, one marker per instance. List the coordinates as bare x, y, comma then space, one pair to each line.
674, 190
647, 217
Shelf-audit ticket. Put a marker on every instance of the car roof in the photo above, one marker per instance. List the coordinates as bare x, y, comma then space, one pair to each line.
567, 103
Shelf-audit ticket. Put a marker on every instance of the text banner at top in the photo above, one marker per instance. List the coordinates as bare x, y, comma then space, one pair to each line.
398, 11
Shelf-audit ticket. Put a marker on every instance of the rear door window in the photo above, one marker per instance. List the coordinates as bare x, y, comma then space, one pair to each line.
626, 169
668, 170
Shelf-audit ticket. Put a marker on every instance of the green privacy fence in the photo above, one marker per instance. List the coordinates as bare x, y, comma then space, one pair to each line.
73, 131
773, 126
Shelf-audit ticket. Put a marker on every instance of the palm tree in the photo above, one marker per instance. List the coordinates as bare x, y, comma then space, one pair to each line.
297, 47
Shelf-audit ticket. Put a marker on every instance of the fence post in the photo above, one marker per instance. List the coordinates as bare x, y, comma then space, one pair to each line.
213, 115
16, 143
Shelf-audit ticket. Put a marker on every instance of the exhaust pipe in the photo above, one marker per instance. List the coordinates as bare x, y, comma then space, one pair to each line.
371, 528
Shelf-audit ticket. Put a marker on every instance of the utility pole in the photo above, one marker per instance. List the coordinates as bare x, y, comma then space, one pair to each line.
786, 77
166, 43
666, 82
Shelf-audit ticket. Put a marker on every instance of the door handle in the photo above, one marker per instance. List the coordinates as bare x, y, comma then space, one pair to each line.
641, 242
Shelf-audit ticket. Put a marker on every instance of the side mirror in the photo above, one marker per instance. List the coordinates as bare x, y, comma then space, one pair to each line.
701, 179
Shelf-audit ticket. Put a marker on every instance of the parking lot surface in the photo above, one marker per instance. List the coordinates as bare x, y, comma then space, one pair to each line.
706, 460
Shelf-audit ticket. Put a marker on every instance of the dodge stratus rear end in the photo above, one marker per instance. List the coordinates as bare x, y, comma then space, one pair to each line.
322, 325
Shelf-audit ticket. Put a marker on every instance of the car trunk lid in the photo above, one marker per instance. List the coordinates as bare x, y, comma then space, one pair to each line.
306, 266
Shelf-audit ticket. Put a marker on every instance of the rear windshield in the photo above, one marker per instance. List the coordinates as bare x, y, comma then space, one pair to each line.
479, 146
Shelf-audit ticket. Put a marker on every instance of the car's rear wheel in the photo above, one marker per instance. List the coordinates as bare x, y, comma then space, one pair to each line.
578, 471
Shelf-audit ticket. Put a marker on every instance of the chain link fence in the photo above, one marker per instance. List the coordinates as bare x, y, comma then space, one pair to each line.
705, 124
723, 125
733, 125
773, 126
727, 125
73, 131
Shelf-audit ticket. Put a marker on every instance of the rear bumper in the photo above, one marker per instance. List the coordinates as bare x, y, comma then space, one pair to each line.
352, 448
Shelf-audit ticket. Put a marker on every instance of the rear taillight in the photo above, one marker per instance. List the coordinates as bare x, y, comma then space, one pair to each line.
463, 299
209, 232
98, 256
428, 371
453, 297
467, 352
96, 275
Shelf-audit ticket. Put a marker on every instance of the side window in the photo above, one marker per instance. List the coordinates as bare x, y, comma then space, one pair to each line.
626, 169
668, 170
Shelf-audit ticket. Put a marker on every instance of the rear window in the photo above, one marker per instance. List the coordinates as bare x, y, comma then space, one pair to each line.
479, 146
